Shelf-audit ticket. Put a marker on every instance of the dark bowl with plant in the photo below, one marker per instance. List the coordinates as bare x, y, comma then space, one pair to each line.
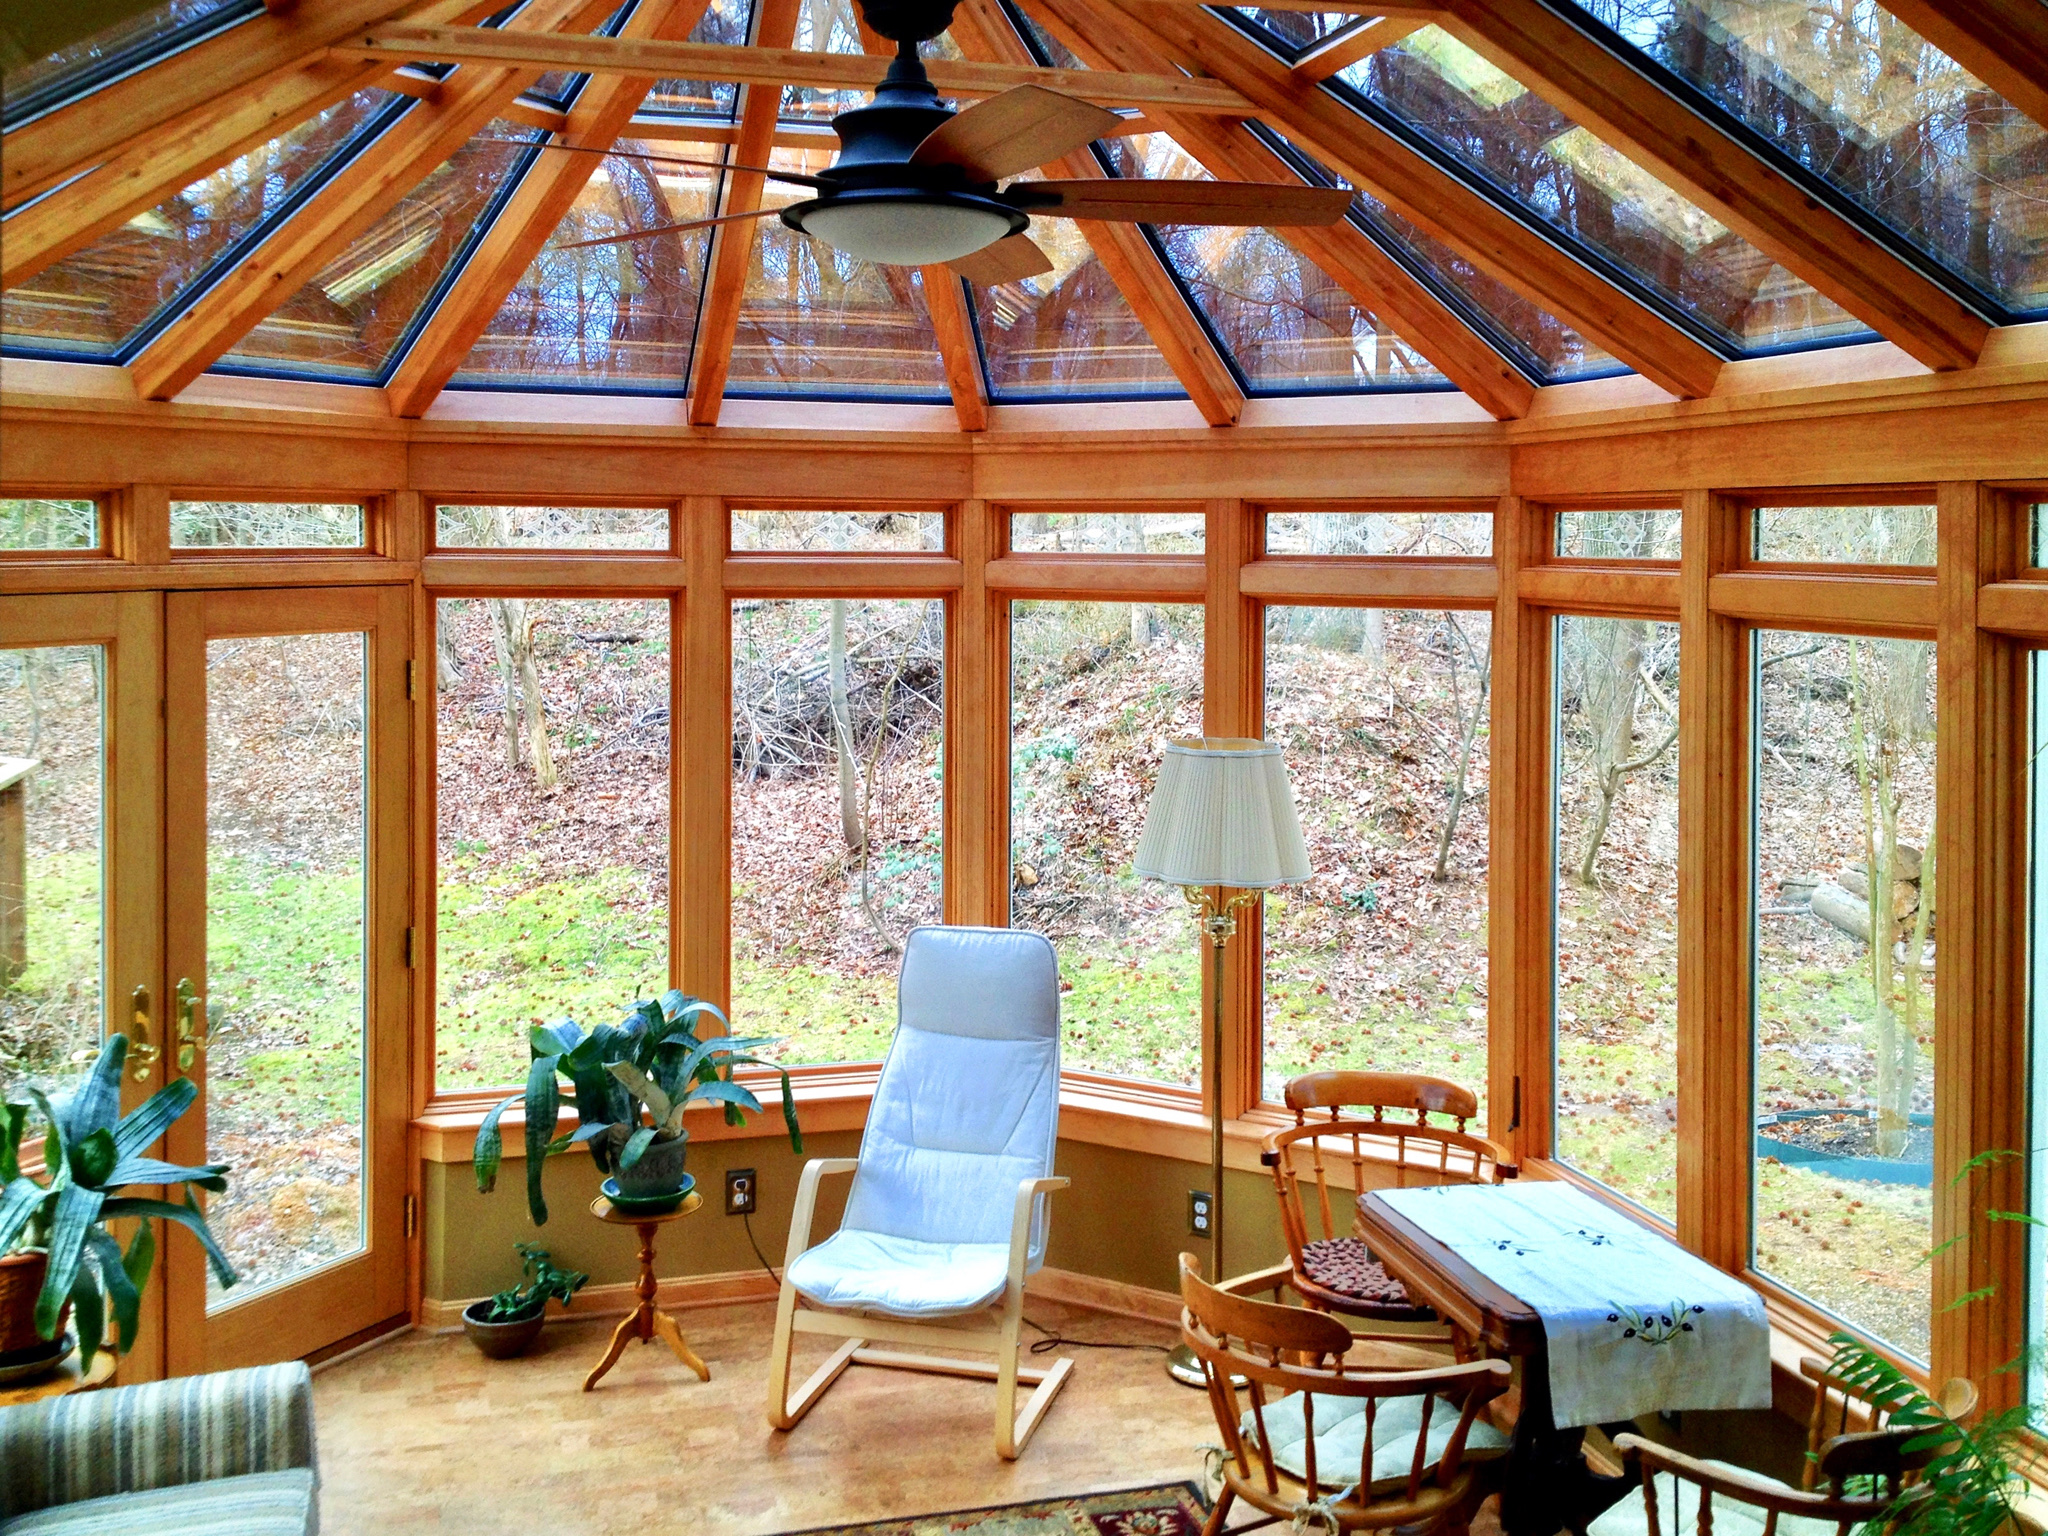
504, 1325
57, 1258
633, 1080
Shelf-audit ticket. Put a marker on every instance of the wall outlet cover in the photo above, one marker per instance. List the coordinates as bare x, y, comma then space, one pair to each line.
742, 1194
1198, 1212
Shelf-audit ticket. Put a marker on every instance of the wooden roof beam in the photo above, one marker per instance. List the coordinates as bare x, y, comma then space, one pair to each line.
1131, 260
2004, 43
1346, 49
164, 162
778, 66
349, 203
947, 305
40, 154
1626, 109
1371, 277
1489, 237
732, 245
537, 207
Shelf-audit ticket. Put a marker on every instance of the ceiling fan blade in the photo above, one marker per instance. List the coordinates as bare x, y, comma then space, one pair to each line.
1007, 261
1025, 127
668, 229
1131, 200
794, 177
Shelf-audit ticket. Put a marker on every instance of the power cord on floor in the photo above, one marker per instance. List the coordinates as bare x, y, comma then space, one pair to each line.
747, 1217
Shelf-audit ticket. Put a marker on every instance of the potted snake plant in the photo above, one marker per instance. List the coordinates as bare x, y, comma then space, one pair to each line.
58, 1261
504, 1325
633, 1082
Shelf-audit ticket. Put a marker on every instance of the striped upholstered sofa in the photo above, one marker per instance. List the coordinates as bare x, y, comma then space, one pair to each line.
229, 1454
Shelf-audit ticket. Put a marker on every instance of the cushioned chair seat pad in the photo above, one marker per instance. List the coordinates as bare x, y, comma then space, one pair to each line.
1731, 1517
855, 1270
256, 1504
1340, 1437
1343, 1265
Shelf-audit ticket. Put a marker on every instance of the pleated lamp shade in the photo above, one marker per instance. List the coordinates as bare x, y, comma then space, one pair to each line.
1222, 813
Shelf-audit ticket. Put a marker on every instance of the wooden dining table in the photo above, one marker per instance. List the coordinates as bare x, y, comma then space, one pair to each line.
1549, 1485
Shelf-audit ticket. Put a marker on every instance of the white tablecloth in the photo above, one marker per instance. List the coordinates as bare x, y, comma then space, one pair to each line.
1634, 1323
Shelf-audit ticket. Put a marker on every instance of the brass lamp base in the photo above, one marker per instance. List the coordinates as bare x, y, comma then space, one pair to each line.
1183, 1365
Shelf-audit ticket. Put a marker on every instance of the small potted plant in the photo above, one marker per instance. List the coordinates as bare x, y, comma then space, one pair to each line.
58, 1261
505, 1324
633, 1081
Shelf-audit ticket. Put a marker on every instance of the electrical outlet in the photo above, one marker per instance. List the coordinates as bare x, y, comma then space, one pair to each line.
742, 1196
1198, 1212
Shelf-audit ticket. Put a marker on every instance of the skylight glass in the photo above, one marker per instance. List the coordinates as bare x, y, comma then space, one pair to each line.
1286, 324
815, 321
1571, 180
618, 316
1294, 33
723, 22
831, 26
97, 299
1889, 120
32, 88
349, 321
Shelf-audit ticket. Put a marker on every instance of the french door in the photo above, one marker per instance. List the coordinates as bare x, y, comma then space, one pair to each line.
286, 901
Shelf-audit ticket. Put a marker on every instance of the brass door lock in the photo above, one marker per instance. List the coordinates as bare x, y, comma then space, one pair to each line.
190, 1043
141, 1051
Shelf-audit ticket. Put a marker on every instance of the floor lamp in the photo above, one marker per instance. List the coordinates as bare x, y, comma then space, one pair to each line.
1222, 815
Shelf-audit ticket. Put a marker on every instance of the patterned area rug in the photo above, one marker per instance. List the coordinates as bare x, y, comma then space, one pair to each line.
1171, 1509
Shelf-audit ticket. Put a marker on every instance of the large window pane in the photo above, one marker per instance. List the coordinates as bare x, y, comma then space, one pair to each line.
1107, 533
1426, 535
1096, 689
286, 808
36, 522
467, 527
266, 525
838, 719
1617, 905
52, 809
553, 836
1846, 535
1844, 1027
839, 532
1378, 961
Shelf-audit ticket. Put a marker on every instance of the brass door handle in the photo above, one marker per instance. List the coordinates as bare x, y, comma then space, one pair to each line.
141, 1051
190, 1044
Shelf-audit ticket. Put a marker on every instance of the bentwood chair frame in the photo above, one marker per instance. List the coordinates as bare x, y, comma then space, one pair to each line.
1269, 1352
1417, 1151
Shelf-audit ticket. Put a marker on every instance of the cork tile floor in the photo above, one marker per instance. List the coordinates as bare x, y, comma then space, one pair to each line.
425, 1434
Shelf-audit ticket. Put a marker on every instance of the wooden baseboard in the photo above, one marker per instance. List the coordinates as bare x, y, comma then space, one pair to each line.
677, 1295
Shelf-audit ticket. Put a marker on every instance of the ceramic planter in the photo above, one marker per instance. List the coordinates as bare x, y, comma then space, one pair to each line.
500, 1341
21, 1281
659, 1172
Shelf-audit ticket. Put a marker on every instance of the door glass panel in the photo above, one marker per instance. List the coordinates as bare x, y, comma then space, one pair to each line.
52, 799
285, 916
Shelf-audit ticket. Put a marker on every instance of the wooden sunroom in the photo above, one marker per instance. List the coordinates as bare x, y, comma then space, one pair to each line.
829, 524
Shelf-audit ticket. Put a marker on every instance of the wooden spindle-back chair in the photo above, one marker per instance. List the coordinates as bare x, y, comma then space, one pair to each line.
1426, 1455
1333, 1271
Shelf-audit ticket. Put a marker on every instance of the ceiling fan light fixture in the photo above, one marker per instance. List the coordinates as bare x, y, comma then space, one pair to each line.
912, 231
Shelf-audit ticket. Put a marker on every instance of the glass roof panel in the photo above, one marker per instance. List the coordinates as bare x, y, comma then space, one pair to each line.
1068, 332
349, 321
725, 22
1284, 321
608, 316
97, 299
1889, 120
830, 26
1294, 33
817, 322
33, 87
1571, 180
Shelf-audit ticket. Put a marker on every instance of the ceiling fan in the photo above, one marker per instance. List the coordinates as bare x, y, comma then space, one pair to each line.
916, 184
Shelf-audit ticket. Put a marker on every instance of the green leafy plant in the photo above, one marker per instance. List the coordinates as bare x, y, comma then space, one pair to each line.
1971, 1482
666, 1068
90, 1150
540, 1281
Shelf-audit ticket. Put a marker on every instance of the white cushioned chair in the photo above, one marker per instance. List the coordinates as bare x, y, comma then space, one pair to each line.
947, 1214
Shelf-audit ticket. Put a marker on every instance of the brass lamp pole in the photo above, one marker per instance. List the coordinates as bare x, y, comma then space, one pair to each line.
1221, 815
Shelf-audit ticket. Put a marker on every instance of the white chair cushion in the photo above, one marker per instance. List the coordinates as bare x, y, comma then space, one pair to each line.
901, 1276
1678, 1513
1340, 1437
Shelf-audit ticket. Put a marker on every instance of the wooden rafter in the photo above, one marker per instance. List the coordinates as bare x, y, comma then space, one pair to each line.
1368, 274
2004, 43
353, 200
732, 245
1487, 236
82, 133
947, 306
769, 66
1341, 52
538, 205
1627, 110
161, 163
1132, 262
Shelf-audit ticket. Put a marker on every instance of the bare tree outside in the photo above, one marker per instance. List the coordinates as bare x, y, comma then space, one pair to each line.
42, 523
266, 525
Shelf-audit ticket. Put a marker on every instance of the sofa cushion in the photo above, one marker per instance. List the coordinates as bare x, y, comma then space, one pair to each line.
1340, 1437
256, 1504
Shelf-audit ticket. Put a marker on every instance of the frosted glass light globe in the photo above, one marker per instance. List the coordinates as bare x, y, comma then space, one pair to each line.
906, 234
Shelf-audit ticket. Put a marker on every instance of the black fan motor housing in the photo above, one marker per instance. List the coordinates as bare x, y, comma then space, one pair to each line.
908, 21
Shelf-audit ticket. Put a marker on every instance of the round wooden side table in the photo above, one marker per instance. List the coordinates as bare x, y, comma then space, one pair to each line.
646, 1322
62, 1379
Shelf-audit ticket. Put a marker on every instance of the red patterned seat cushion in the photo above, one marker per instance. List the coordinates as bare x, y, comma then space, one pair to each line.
1341, 1264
